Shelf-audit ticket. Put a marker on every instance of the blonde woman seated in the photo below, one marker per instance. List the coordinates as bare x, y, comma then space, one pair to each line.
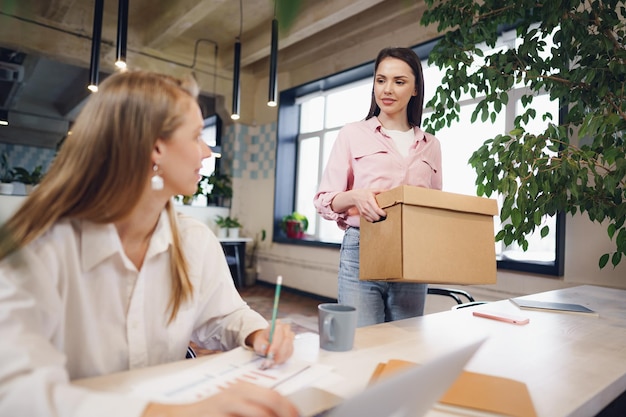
99, 274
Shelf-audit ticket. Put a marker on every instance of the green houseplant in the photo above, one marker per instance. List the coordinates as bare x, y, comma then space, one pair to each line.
228, 226
29, 178
253, 248
227, 222
294, 225
6, 175
553, 171
221, 190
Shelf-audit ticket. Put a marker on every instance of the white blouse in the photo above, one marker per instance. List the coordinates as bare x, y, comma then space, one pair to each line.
72, 305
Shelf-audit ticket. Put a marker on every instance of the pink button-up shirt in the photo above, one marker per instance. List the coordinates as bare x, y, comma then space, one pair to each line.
364, 157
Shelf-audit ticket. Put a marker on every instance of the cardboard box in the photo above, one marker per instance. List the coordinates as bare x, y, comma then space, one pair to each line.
430, 236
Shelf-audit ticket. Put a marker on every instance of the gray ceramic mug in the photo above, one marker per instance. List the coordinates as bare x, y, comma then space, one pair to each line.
337, 324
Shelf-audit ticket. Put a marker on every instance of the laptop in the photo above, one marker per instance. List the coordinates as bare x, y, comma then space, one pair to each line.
409, 393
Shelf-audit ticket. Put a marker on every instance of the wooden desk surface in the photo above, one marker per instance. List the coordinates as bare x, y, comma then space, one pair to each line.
573, 365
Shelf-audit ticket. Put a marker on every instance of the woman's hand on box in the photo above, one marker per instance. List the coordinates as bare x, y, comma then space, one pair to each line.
362, 202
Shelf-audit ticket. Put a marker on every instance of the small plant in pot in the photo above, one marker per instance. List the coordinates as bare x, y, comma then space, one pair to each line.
227, 226
6, 175
294, 225
29, 179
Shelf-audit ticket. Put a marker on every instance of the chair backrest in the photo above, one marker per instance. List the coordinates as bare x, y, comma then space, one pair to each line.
457, 295
473, 303
191, 354
454, 293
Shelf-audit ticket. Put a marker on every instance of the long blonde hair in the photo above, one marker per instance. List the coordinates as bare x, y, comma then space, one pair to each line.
101, 169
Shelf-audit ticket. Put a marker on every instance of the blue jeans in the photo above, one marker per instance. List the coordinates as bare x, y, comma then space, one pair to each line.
376, 301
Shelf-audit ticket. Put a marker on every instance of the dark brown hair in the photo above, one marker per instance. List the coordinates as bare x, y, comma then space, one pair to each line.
416, 103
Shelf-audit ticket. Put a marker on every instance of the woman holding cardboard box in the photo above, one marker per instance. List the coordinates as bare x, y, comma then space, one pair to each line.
386, 150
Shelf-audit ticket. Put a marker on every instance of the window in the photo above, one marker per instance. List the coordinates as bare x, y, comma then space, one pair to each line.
211, 136
317, 111
321, 117
457, 145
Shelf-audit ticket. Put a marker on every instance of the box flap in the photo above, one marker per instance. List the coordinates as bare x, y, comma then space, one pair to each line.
426, 197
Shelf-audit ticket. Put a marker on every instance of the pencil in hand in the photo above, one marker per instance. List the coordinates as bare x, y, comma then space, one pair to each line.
269, 356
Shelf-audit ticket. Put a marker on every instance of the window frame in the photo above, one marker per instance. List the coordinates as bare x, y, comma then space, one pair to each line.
287, 153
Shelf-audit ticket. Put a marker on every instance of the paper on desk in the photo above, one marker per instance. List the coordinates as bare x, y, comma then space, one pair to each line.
209, 377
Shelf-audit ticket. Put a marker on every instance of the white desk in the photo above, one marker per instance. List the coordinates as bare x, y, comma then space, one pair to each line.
235, 239
573, 365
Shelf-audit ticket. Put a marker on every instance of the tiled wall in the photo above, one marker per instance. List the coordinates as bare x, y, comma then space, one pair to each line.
249, 152
28, 157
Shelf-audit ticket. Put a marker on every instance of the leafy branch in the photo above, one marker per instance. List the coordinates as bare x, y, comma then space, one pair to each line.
578, 164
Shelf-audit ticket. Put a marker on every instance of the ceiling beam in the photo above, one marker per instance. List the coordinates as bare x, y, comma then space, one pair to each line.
46, 41
56, 10
368, 26
318, 17
177, 19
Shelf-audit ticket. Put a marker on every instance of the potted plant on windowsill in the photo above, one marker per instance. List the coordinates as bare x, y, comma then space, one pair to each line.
295, 225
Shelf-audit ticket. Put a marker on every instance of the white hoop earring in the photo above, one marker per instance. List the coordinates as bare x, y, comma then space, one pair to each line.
157, 180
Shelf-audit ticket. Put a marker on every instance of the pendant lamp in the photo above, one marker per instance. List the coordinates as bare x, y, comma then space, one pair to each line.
122, 29
236, 88
237, 67
95, 46
271, 100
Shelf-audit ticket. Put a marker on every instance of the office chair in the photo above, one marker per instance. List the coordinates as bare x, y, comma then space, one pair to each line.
452, 293
456, 294
191, 354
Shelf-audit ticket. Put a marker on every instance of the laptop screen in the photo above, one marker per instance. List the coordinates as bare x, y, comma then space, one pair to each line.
408, 393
